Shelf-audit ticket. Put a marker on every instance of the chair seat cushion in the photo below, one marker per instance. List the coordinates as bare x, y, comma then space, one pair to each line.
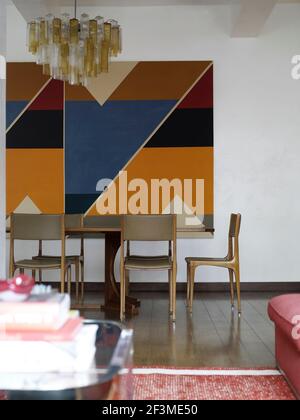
147, 257
148, 263
72, 259
282, 311
43, 264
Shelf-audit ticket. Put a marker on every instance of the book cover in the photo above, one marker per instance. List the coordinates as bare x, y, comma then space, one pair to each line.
66, 333
40, 312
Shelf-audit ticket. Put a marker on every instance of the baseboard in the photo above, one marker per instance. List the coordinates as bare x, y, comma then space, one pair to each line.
289, 287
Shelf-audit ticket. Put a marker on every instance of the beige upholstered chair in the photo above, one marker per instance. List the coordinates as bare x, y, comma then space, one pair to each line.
152, 229
39, 227
231, 262
71, 221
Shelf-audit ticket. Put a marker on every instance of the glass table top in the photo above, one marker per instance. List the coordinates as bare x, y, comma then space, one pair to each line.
108, 377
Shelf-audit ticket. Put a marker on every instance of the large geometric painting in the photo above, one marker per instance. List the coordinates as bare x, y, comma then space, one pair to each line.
34, 140
153, 120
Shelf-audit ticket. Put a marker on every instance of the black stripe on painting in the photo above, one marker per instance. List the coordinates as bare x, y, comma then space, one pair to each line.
79, 203
186, 128
37, 130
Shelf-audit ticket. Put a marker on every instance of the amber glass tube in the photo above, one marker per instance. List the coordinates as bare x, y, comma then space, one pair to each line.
99, 57
64, 60
46, 69
90, 58
56, 31
115, 41
33, 43
104, 56
107, 32
74, 31
43, 33
93, 30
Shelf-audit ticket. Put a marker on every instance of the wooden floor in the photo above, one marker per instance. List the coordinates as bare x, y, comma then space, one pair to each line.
212, 337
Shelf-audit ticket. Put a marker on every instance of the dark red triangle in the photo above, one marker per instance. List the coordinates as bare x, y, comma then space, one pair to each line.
202, 94
51, 98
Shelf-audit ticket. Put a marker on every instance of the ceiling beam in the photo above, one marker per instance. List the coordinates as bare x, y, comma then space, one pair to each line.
251, 16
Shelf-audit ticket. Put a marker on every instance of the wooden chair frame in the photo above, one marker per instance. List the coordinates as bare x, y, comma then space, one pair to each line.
64, 266
231, 262
172, 273
76, 260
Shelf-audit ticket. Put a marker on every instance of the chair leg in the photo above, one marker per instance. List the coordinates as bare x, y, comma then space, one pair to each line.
170, 292
188, 286
82, 280
192, 282
69, 279
127, 282
77, 268
11, 270
174, 278
238, 288
40, 276
231, 279
122, 294
63, 274
33, 274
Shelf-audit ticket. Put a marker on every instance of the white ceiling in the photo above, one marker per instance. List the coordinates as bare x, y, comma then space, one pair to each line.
122, 3
249, 15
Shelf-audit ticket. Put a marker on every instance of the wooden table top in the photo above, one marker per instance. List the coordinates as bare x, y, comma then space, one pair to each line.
110, 229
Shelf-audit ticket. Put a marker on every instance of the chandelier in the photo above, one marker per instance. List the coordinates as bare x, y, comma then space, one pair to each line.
71, 49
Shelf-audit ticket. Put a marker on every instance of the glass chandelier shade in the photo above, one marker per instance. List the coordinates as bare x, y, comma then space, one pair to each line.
74, 50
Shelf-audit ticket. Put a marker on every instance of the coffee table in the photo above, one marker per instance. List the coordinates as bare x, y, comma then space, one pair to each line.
109, 378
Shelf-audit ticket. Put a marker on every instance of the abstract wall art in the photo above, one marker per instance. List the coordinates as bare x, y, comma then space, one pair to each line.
71, 148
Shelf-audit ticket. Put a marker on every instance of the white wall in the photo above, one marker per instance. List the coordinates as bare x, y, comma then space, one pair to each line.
257, 128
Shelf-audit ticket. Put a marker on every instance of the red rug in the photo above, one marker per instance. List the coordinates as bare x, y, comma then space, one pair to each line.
210, 384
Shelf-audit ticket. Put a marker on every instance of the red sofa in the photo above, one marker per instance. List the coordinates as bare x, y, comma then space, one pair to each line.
284, 311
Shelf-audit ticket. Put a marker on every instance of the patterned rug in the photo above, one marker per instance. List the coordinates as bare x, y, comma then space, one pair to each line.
210, 384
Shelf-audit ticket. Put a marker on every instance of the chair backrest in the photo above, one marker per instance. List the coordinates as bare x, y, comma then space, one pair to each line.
233, 236
102, 221
73, 221
149, 228
235, 225
37, 227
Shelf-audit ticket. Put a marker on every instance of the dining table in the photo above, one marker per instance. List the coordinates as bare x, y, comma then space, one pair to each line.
107, 228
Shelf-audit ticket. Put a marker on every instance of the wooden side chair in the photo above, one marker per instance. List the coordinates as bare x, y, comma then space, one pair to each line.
71, 221
231, 262
39, 227
149, 229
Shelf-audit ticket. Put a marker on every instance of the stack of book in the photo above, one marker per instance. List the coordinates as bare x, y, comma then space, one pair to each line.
42, 335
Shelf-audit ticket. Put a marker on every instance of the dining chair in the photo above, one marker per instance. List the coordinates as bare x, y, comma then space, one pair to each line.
231, 262
77, 260
39, 227
154, 228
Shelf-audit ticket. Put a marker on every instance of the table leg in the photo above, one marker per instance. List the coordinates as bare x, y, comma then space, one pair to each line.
111, 288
